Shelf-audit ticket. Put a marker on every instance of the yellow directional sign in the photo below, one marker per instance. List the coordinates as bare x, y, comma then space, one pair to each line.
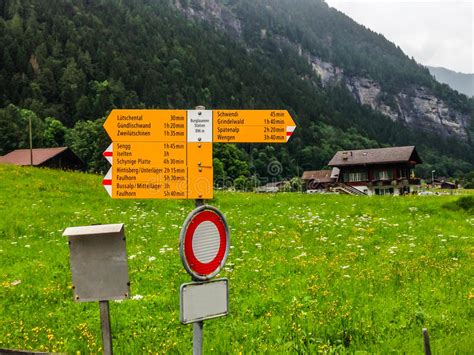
146, 125
252, 126
168, 153
149, 170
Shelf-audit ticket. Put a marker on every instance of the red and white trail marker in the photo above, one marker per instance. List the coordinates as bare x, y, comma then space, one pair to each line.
289, 131
204, 242
107, 182
108, 154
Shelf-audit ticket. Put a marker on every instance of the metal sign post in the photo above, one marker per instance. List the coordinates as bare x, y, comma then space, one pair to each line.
167, 154
197, 337
204, 246
199, 325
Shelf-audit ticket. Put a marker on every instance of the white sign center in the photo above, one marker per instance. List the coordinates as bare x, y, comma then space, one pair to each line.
206, 242
199, 126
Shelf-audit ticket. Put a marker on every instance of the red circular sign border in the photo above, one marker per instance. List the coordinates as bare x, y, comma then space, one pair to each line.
205, 269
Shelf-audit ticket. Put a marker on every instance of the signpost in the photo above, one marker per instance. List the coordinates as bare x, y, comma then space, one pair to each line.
204, 244
167, 154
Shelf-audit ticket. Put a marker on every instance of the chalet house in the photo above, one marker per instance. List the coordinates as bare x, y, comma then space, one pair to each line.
55, 158
443, 183
320, 180
448, 185
379, 171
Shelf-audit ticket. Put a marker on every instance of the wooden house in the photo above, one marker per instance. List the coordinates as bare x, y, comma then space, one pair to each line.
378, 171
55, 158
443, 183
319, 180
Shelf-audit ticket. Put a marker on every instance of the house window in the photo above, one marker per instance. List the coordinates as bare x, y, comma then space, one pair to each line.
384, 175
355, 177
403, 173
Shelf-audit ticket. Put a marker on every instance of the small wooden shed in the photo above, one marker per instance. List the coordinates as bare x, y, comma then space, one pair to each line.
54, 158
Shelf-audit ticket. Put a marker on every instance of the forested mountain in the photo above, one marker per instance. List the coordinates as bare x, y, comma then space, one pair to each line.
67, 63
462, 82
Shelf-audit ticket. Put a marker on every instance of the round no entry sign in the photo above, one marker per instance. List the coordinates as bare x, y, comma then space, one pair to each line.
204, 242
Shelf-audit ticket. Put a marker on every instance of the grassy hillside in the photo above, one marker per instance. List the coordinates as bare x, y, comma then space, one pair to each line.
306, 272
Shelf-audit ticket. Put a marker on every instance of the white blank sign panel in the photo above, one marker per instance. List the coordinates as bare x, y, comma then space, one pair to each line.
204, 300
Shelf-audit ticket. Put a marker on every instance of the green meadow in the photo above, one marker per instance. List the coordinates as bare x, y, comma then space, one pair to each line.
307, 273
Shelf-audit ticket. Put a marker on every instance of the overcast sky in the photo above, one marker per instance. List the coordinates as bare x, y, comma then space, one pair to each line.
438, 33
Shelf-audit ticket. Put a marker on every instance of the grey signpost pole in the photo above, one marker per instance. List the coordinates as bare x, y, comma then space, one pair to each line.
198, 326
105, 325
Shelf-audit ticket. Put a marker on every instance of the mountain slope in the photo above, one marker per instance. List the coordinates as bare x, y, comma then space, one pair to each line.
462, 82
76, 60
375, 71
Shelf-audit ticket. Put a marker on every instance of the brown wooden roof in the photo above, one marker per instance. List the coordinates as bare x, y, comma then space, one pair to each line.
376, 156
22, 156
318, 175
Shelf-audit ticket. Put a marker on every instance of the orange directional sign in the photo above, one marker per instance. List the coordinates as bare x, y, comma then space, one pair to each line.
252, 126
168, 153
148, 170
146, 125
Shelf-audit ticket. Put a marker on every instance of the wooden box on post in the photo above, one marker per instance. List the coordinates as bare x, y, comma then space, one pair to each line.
98, 262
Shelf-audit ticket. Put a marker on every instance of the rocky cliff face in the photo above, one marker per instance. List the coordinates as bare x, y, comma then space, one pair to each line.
211, 11
416, 107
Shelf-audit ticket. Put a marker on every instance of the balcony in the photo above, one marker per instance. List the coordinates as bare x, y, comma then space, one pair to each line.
395, 182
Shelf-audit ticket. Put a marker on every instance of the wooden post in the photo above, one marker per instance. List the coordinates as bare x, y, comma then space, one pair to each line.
31, 141
426, 341
105, 325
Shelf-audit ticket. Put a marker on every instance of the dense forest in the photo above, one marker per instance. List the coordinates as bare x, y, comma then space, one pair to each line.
65, 64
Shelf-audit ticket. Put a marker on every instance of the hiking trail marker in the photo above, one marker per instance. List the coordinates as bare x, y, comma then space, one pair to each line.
167, 154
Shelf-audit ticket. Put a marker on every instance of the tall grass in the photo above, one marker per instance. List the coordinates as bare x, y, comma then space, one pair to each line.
308, 273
